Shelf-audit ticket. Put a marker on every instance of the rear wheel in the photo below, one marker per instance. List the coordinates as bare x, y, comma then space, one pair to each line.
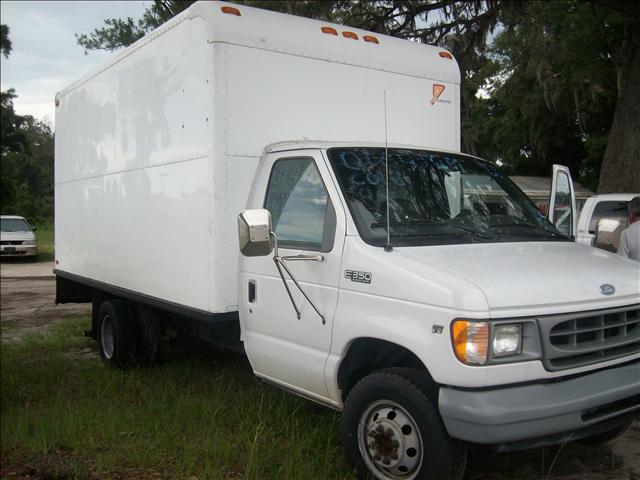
149, 334
116, 335
392, 431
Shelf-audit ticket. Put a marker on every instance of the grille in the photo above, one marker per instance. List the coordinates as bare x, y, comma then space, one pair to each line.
10, 242
583, 339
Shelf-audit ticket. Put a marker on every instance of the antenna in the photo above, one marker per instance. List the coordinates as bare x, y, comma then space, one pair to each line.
387, 247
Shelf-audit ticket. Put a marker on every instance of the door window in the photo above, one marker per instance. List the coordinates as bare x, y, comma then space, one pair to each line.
562, 207
301, 212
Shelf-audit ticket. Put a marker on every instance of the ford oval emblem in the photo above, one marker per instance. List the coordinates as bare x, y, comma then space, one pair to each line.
607, 289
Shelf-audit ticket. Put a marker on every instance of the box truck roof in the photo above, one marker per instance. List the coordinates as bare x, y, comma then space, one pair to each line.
273, 31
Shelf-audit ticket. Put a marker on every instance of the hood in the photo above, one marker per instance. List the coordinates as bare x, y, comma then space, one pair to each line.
534, 274
17, 236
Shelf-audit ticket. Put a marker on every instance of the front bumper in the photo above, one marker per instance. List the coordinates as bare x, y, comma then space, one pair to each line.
18, 250
542, 413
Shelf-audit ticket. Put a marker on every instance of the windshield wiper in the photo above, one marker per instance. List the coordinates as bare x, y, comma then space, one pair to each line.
533, 228
409, 221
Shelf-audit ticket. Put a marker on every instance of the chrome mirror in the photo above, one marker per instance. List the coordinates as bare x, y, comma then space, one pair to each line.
254, 232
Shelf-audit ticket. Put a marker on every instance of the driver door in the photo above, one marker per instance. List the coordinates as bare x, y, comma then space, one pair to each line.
307, 220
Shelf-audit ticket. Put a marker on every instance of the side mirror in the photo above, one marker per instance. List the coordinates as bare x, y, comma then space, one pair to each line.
254, 232
33, 229
608, 233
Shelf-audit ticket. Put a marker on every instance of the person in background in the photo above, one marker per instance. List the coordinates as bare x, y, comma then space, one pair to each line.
630, 237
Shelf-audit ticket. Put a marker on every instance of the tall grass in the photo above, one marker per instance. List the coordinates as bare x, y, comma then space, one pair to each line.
45, 238
200, 415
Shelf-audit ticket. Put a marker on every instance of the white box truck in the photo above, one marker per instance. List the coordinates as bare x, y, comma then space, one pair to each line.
376, 270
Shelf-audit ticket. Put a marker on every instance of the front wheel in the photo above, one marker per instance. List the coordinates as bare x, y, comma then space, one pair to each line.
392, 431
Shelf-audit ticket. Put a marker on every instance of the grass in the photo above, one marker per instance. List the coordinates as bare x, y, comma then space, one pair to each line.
197, 415
45, 238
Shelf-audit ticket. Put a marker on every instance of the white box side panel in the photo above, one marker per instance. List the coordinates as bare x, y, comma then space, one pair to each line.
278, 97
144, 230
134, 172
149, 108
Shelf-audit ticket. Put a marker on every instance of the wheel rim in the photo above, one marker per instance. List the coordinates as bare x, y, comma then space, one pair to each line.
106, 336
389, 441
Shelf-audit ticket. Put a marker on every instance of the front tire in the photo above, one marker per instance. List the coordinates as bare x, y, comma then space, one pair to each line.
116, 336
392, 431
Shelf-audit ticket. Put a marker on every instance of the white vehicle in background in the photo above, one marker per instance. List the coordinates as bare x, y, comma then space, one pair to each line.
16, 237
378, 271
602, 219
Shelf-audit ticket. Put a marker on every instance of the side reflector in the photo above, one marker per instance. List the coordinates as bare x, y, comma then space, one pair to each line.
231, 11
329, 31
350, 35
370, 39
446, 55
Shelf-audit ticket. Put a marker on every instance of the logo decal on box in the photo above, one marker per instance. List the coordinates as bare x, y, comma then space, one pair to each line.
437, 91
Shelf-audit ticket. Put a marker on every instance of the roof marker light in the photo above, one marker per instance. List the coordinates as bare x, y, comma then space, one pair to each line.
350, 35
370, 39
446, 55
231, 11
329, 30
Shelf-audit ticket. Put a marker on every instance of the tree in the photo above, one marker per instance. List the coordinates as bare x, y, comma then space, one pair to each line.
5, 43
26, 158
621, 165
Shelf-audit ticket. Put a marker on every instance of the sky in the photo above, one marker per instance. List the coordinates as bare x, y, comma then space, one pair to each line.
45, 57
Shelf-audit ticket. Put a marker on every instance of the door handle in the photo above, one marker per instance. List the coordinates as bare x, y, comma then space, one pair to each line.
252, 291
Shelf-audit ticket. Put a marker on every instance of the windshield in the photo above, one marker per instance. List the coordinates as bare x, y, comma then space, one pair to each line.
434, 199
14, 225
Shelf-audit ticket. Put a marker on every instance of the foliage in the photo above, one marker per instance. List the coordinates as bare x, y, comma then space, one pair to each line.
5, 43
26, 159
554, 95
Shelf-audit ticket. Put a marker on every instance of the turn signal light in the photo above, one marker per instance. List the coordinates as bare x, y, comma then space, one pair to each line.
231, 11
446, 55
370, 39
470, 341
351, 35
329, 30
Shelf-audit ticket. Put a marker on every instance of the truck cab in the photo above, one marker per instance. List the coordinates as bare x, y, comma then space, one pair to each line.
463, 294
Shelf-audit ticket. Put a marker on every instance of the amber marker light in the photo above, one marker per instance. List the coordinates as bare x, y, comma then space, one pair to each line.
329, 31
350, 35
470, 341
446, 55
231, 11
370, 39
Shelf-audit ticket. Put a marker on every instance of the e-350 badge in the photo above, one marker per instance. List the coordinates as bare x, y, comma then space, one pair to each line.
356, 276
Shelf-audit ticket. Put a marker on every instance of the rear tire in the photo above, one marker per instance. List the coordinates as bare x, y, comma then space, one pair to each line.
149, 334
116, 336
392, 431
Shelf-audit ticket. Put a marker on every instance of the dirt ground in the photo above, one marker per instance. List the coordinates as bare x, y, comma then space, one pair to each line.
27, 305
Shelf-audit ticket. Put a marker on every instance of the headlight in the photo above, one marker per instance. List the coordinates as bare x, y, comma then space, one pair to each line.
29, 243
470, 341
507, 340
